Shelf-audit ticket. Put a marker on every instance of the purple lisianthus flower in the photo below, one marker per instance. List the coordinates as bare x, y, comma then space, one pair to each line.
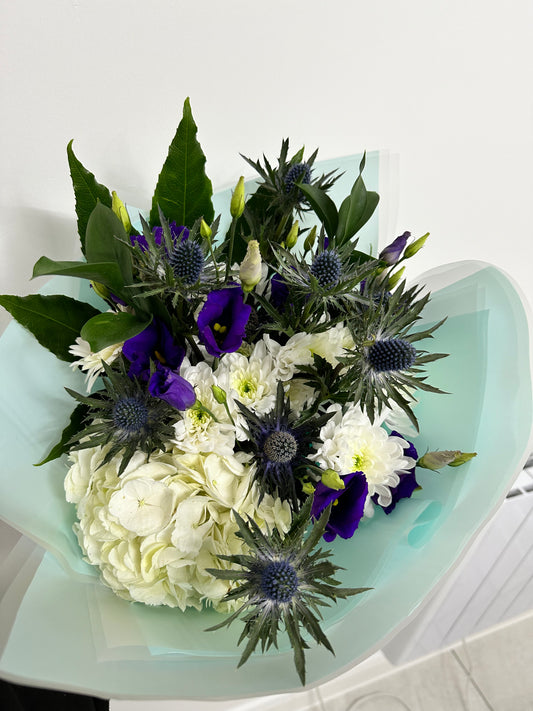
222, 321
176, 232
408, 482
392, 253
348, 506
154, 343
168, 385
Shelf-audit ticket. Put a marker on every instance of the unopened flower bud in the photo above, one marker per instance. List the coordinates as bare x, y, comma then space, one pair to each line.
102, 291
437, 460
462, 458
237, 199
392, 253
292, 237
308, 488
120, 211
332, 480
205, 230
415, 246
250, 269
310, 239
219, 394
395, 278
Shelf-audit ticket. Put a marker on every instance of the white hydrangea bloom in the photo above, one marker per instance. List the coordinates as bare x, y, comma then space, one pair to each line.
198, 430
154, 530
92, 362
350, 442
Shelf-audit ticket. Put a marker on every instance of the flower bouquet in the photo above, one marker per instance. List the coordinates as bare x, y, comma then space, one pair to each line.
254, 386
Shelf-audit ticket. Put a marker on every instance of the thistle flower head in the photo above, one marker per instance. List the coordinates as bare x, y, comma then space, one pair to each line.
281, 445
384, 367
187, 261
297, 173
282, 580
390, 354
327, 268
124, 415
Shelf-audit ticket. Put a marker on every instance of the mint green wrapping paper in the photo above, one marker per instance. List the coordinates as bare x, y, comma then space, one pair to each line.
63, 629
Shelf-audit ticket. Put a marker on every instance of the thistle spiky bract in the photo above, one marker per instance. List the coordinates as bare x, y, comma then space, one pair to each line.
125, 416
282, 580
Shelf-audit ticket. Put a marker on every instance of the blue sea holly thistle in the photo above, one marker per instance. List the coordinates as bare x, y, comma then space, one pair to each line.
282, 581
124, 417
281, 444
385, 366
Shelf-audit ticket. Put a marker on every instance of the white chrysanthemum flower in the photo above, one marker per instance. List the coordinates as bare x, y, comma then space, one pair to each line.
301, 347
297, 351
350, 442
204, 429
251, 381
154, 530
91, 362
332, 343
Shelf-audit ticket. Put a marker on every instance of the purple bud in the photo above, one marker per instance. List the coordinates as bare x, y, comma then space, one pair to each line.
391, 254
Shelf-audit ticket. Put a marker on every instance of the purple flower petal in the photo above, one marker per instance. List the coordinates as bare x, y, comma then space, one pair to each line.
348, 511
392, 253
168, 385
175, 230
222, 321
154, 343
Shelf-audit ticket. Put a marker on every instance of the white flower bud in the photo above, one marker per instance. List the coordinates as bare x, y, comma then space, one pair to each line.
250, 270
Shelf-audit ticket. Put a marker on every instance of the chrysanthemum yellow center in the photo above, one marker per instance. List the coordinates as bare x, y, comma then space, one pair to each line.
361, 461
247, 387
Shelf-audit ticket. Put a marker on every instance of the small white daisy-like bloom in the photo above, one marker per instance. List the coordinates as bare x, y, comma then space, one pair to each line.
206, 429
251, 381
350, 442
91, 362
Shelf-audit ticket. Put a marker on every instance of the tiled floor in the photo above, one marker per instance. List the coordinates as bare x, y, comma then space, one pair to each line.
492, 671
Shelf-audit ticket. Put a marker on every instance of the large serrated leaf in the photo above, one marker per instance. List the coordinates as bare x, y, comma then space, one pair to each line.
183, 190
87, 191
55, 321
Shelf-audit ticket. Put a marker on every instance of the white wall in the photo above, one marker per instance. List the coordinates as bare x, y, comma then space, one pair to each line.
444, 84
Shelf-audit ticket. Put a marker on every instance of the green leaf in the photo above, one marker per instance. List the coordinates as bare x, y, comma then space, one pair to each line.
74, 426
356, 209
55, 321
183, 190
105, 241
106, 273
107, 329
87, 192
323, 205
